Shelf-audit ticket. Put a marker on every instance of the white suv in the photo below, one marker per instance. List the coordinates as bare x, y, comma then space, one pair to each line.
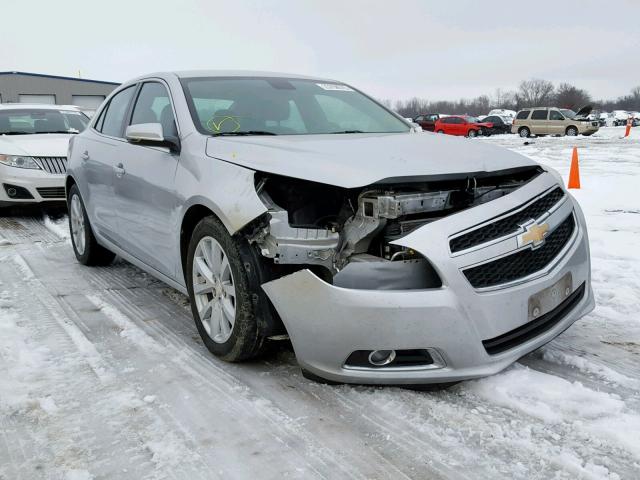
33, 151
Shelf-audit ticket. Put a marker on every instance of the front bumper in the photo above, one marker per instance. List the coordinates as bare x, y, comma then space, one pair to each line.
327, 323
31, 180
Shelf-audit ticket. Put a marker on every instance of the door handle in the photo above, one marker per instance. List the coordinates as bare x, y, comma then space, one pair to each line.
119, 169
85, 156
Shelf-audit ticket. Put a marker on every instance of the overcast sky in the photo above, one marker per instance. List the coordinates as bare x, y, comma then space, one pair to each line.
391, 49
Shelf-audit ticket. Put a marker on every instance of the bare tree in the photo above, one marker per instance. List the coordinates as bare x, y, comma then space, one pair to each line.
568, 96
534, 93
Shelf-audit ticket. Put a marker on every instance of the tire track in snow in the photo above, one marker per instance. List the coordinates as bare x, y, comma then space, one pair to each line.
93, 426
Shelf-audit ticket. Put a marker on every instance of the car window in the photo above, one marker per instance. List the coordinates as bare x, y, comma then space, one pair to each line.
432, 118
25, 121
419, 118
524, 114
555, 115
539, 115
447, 120
117, 109
154, 106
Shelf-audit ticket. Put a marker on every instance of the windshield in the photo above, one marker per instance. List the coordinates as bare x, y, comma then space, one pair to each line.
473, 119
30, 121
284, 106
568, 113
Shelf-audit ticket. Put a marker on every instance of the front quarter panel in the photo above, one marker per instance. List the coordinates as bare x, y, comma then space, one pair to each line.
225, 188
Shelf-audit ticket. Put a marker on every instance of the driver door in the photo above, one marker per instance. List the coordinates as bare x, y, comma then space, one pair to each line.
144, 185
556, 124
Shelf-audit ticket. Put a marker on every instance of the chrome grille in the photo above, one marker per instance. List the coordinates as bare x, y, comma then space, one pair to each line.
508, 225
524, 262
55, 165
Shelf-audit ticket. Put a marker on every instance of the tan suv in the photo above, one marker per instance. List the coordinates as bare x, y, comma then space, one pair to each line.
553, 121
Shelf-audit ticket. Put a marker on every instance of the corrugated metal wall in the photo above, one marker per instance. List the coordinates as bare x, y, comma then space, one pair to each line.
14, 85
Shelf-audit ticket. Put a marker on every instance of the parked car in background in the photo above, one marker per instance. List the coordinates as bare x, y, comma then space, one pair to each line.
542, 121
462, 125
427, 121
297, 205
33, 151
620, 117
504, 114
499, 125
602, 119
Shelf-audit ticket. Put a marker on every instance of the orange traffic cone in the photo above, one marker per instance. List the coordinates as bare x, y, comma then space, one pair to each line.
628, 131
574, 173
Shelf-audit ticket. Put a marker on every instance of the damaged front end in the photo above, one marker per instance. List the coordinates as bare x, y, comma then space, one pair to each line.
346, 236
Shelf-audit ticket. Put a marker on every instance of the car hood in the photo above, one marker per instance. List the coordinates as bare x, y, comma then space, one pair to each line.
37, 145
356, 160
584, 112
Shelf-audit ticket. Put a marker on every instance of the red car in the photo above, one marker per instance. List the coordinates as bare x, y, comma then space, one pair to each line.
462, 125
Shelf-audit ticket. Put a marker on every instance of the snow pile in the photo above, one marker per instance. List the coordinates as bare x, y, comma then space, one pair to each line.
59, 226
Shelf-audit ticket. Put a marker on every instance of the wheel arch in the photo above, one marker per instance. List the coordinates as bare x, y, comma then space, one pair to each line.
68, 183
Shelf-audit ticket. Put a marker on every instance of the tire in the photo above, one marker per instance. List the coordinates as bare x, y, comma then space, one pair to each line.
440, 131
85, 246
226, 299
571, 132
524, 132
472, 133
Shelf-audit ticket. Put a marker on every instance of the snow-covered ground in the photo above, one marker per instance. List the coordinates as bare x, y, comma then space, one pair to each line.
103, 375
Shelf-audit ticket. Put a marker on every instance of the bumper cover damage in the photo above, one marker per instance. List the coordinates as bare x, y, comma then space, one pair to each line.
329, 322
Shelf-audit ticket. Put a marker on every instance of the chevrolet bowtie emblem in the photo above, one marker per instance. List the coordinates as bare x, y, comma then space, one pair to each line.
533, 234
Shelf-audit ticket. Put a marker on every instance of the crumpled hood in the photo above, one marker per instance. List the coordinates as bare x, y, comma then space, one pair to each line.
356, 160
37, 145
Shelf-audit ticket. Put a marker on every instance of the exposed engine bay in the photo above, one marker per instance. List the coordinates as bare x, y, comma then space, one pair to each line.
346, 234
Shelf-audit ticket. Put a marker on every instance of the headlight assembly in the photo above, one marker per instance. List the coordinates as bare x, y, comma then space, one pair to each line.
19, 161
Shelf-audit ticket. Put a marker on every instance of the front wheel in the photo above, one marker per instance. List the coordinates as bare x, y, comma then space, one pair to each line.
472, 133
220, 293
440, 131
85, 245
572, 131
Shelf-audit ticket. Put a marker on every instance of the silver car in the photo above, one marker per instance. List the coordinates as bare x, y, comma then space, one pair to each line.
294, 206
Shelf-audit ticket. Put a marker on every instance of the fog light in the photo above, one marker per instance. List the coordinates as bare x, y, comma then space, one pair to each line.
11, 192
382, 357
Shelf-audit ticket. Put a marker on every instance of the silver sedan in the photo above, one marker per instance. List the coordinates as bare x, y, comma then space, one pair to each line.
297, 207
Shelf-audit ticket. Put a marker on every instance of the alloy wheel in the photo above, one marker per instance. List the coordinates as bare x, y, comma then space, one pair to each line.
214, 289
77, 224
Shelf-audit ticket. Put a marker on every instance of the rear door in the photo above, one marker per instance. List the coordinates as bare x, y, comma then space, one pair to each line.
99, 153
538, 122
144, 185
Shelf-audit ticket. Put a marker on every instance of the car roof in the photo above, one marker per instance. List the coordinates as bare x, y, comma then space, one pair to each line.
227, 73
39, 106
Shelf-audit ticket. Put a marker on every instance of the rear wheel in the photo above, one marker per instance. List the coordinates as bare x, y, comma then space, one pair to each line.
572, 131
524, 132
220, 293
85, 245
440, 131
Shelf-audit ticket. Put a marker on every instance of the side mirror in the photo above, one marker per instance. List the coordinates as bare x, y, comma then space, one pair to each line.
151, 134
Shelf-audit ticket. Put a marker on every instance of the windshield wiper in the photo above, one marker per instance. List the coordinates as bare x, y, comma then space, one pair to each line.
350, 131
15, 133
242, 133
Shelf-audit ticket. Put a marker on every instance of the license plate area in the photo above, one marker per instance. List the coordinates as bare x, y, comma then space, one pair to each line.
549, 298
